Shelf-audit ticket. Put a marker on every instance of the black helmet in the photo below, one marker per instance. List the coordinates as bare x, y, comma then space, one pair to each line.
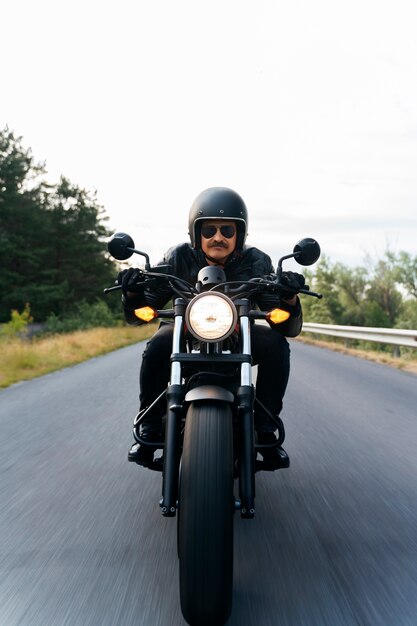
218, 203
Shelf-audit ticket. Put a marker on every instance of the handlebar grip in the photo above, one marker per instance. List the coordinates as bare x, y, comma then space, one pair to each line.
311, 293
109, 289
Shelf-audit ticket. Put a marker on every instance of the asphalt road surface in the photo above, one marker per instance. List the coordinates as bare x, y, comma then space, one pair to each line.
334, 540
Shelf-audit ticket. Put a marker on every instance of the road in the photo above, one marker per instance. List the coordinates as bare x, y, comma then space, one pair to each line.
334, 540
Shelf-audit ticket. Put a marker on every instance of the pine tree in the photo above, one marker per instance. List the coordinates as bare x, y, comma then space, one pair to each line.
52, 238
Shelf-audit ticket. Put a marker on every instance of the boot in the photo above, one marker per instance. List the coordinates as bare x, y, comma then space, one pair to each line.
142, 453
275, 457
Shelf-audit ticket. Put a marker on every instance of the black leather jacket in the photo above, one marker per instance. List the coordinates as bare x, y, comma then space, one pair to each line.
186, 262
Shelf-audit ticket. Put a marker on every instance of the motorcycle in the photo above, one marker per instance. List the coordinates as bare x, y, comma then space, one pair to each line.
209, 406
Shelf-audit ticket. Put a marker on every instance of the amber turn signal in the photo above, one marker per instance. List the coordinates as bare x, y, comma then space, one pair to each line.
277, 316
146, 314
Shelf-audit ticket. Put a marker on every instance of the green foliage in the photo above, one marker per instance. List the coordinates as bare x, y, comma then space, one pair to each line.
351, 285
405, 267
408, 317
328, 309
383, 291
18, 322
85, 315
52, 238
365, 296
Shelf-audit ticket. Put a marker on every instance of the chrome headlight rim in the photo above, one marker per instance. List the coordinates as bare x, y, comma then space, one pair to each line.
233, 319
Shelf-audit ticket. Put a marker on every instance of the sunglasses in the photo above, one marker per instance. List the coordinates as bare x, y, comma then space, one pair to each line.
226, 231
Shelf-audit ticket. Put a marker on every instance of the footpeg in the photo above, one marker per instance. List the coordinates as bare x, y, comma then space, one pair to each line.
270, 466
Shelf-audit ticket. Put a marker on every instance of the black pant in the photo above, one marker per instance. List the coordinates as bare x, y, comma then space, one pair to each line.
270, 351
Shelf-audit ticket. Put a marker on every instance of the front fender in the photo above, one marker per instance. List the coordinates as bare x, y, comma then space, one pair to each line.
209, 392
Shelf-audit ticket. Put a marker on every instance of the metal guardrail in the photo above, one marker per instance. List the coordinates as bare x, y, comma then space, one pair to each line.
395, 336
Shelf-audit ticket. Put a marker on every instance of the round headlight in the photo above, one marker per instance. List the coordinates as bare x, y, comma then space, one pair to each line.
211, 316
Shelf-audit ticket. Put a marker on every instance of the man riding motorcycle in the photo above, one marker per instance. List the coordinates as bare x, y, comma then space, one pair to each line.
217, 226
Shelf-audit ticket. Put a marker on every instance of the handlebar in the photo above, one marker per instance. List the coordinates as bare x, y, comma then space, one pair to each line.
307, 292
109, 289
250, 286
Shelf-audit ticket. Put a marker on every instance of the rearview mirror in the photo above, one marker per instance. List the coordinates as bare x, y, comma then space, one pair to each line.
121, 246
306, 251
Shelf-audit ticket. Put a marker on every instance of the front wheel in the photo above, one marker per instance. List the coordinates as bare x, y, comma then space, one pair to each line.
205, 522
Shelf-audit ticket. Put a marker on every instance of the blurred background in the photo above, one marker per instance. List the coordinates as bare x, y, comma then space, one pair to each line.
308, 110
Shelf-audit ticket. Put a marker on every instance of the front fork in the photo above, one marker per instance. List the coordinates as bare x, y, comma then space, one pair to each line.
245, 399
175, 399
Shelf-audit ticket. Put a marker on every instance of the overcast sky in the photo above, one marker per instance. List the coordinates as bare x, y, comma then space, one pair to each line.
307, 109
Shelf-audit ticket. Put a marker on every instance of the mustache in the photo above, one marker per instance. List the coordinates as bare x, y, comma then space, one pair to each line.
218, 244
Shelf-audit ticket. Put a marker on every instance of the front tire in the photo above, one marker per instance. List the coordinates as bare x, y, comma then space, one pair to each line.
206, 506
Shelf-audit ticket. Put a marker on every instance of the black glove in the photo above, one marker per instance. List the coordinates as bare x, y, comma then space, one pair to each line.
291, 282
268, 301
129, 280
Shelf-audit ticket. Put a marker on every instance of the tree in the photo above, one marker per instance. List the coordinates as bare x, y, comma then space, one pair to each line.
405, 271
384, 300
408, 317
362, 296
79, 264
351, 284
22, 206
52, 238
328, 310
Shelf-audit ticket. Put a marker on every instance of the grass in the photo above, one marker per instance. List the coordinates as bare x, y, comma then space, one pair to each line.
407, 363
23, 360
